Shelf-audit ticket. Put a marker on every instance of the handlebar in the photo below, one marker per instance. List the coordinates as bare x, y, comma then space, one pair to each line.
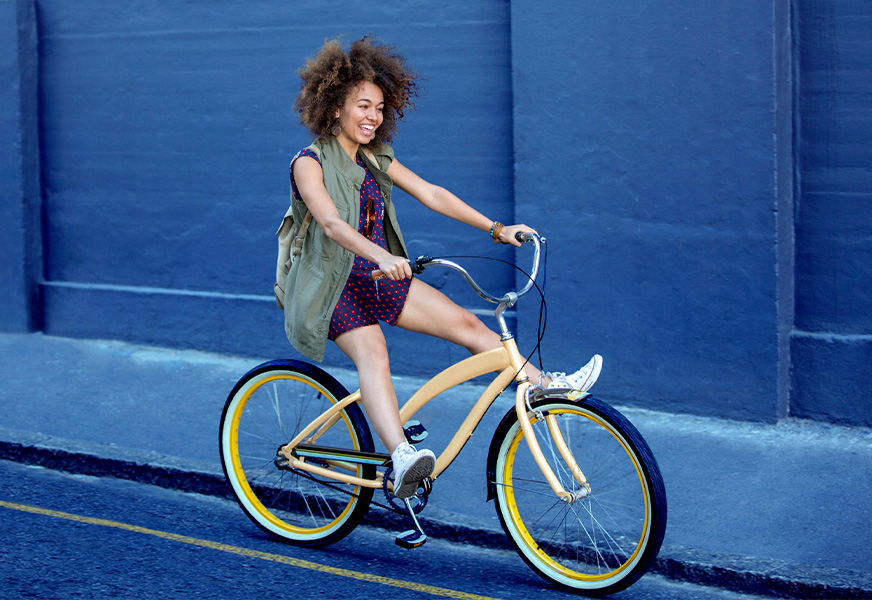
425, 262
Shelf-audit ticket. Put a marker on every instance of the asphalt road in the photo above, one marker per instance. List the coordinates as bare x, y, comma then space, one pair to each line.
71, 536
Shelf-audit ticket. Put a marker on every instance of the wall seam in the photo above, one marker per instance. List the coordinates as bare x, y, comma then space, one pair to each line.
786, 187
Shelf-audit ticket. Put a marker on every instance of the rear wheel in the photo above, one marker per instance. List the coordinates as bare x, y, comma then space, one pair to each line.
608, 535
265, 410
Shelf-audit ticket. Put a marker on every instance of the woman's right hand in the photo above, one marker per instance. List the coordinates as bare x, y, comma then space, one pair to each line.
394, 268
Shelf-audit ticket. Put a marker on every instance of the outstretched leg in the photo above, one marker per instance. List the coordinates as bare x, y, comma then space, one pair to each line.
427, 310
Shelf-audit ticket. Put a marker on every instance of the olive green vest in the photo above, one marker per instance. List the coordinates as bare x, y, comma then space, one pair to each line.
319, 274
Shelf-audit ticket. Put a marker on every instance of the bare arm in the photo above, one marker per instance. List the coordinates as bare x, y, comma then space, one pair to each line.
444, 202
310, 182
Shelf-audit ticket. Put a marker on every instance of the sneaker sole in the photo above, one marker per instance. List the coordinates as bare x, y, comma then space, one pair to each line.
419, 470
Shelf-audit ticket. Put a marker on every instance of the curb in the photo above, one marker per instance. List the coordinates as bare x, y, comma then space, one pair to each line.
736, 573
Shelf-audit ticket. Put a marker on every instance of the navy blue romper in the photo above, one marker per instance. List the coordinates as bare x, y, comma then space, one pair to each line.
364, 301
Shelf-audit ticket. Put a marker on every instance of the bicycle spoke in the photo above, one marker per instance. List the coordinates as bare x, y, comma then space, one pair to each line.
298, 506
596, 540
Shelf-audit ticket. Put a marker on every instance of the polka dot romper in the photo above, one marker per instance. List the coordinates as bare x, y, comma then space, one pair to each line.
364, 301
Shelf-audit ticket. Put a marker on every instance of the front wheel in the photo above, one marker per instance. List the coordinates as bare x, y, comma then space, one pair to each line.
267, 408
608, 535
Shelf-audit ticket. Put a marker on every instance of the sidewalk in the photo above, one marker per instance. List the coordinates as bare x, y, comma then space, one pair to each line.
783, 509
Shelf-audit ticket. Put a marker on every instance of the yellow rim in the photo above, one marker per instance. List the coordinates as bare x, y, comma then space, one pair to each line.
240, 473
511, 504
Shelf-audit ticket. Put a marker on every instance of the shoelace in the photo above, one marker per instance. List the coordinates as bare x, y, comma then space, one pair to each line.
406, 452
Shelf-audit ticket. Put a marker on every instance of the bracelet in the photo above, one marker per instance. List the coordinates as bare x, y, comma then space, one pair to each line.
495, 230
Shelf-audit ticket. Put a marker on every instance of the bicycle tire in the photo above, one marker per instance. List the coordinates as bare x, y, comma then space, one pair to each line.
267, 407
594, 545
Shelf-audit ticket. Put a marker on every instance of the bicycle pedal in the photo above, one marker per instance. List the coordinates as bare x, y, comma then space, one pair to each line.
411, 539
415, 432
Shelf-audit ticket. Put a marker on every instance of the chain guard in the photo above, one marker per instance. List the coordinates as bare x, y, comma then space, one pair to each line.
418, 501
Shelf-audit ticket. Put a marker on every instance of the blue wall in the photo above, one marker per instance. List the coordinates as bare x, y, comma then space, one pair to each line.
655, 122
20, 229
832, 343
701, 171
167, 138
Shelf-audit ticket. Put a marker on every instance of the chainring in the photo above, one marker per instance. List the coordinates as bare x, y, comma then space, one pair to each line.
418, 501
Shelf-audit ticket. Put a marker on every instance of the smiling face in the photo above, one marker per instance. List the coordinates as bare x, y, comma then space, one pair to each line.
361, 115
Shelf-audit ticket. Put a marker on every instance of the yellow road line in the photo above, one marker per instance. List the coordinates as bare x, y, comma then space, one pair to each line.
294, 562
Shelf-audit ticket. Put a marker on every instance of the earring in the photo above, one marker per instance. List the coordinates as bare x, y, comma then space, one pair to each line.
336, 129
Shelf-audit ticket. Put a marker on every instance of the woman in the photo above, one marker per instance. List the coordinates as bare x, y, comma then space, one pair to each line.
352, 102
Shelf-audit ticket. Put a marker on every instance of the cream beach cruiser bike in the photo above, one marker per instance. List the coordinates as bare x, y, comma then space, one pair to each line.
575, 486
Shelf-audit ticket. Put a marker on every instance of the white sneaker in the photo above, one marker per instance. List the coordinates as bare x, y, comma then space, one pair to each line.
410, 467
582, 380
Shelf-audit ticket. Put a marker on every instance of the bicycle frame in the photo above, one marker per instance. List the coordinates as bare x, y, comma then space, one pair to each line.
505, 360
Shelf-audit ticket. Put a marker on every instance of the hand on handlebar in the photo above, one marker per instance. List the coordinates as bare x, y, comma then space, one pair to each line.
510, 234
417, 267
394, 268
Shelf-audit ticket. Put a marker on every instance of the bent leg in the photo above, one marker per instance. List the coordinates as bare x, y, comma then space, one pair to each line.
367, 348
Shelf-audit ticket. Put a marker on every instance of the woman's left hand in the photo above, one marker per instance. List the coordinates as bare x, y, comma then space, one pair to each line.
507, 235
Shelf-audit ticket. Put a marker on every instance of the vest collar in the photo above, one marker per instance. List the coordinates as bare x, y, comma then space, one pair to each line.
333, 151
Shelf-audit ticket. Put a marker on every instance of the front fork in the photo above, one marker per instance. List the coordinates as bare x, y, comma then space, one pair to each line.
522, 407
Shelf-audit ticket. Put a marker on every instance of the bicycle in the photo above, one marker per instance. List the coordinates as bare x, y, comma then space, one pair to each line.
584, 504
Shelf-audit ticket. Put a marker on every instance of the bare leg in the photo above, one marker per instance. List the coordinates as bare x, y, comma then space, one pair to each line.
427, 310
367, 348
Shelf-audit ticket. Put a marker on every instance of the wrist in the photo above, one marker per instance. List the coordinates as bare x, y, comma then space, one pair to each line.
495, 230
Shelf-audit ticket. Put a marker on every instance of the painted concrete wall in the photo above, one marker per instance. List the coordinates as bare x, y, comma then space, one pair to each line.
832, 343
655, 122
20, 230
662, 149
167, 138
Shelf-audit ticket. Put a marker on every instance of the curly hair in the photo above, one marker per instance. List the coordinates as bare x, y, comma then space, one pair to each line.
331, 75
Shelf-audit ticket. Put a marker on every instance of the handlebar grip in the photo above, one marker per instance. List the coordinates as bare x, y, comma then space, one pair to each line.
526, 236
